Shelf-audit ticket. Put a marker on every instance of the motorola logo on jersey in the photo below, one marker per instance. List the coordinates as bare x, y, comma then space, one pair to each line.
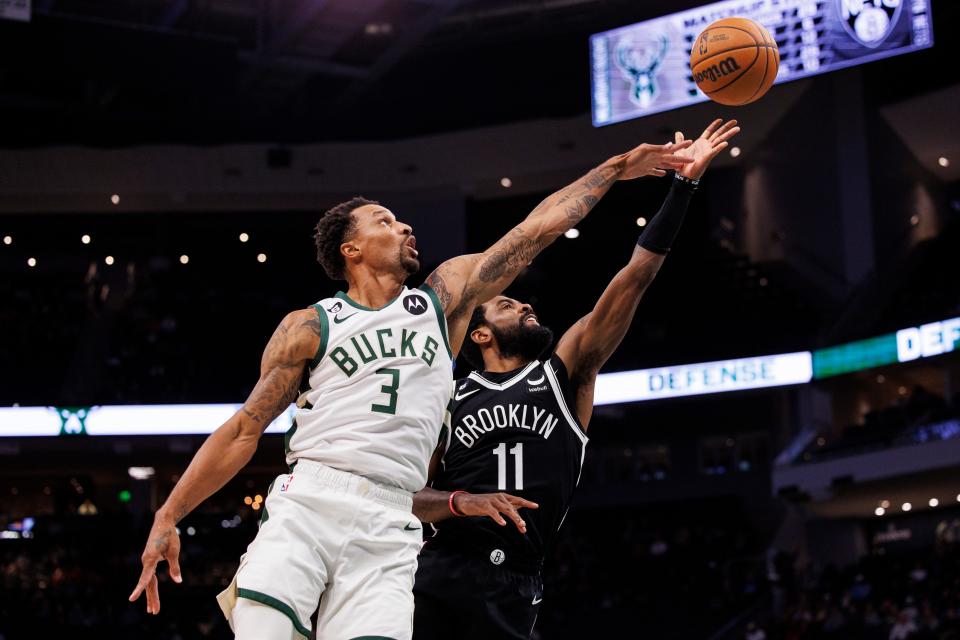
415, 304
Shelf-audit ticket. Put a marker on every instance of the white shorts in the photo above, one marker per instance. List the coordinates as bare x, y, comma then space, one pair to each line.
333, 534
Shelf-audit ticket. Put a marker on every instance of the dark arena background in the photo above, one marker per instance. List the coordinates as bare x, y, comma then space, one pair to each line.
784, 462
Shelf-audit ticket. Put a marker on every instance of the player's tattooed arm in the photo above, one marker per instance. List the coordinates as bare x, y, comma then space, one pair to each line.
463, 282
231, 446
586, 346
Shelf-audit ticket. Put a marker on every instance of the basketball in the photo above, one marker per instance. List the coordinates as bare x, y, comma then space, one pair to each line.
734, 61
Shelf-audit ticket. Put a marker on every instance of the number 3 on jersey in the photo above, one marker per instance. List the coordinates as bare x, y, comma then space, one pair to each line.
390, 390
501, 453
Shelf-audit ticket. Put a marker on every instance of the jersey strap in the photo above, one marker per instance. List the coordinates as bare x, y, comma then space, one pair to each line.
441, 318
548, 369
324, 335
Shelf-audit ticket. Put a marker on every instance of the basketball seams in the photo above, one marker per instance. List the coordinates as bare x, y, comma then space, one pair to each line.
763, 79
752, 37
749, 66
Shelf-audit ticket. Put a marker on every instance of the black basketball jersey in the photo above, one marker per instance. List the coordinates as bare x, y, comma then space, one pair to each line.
512, 432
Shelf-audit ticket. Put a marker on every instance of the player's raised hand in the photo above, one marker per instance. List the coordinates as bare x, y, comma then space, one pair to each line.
493, 505
652, 159
163, 543
711, 142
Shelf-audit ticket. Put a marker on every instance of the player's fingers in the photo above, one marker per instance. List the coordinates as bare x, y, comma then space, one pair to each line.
727, 126
173, 566
137, 590
520, 502
512, 513
713, 126
658, 172
678, 136
495, 515
726, 135
716, 150
149, 567
675, 159
153, 596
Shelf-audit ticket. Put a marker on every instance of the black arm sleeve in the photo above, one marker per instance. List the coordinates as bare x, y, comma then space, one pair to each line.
659, 234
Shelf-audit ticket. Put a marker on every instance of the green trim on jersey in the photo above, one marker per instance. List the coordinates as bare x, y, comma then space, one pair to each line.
274, 603
266, 516
324, 336
343, 296
373, 638
441, 319
286, 441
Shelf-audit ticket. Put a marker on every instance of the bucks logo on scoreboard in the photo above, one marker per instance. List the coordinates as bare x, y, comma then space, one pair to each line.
869, 22
640, 62
73, 420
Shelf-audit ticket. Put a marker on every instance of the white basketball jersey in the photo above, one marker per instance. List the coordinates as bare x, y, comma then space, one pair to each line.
379, 388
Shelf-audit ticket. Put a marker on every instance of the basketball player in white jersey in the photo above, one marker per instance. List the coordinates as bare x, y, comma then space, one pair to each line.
338, 530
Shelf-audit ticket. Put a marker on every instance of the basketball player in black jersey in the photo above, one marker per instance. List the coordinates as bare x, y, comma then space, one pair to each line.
517, 435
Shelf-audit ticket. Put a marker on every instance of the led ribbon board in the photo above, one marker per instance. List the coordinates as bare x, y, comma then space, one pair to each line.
124, 420
739, 374
703, 378
644, 68
913, 343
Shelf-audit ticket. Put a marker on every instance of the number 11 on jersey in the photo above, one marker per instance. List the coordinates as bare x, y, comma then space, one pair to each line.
501, 453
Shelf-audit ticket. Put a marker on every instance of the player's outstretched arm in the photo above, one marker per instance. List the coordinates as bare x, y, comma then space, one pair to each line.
463, 282
587, 345
231, 446
432, 505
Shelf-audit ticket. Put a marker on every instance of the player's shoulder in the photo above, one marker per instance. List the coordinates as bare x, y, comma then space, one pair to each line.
295, 339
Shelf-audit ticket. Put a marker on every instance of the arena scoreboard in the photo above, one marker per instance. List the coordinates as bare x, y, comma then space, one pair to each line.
644, 68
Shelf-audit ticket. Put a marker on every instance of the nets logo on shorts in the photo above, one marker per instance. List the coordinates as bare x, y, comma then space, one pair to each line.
497, 556
869, 21
415, 304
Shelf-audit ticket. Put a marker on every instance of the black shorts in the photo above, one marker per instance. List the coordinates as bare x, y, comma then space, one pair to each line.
460, 596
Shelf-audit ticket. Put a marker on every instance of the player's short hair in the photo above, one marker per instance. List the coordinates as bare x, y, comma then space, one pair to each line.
470, 350
333, 229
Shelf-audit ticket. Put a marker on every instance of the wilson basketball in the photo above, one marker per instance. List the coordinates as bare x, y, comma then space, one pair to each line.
734, 61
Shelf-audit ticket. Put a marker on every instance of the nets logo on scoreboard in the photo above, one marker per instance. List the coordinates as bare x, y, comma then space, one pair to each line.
644, 68
869, 21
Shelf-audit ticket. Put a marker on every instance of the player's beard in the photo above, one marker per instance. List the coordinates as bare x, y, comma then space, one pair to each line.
529, 341
409, 264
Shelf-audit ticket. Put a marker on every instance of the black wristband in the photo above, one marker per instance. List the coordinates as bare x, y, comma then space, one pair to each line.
659, 234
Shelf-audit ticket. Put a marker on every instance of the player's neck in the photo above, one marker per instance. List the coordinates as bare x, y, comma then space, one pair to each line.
373, 290
495, 363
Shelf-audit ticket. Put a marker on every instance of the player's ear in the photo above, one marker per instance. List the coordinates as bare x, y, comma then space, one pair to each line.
349, 250
481, 335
